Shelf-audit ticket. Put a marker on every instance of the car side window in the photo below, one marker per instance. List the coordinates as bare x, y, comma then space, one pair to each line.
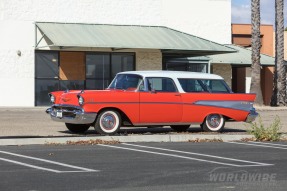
191, 85
216, 86
161, 84
203, 85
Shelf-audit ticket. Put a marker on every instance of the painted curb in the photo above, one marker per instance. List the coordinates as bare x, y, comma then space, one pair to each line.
126, 139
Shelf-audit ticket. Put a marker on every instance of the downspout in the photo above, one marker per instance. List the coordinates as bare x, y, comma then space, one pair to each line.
209, 67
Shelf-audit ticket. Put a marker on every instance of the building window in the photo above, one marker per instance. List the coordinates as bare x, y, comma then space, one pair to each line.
122, 62
76, 70
47, 75
97, 71
192, 64
192, 67
72, 70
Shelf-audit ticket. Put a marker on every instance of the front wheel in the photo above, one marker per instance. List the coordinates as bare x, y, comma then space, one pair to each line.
108, 122
213, 123
77, 128
180, 128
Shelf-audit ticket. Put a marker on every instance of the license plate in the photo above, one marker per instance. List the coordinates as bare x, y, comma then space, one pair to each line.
59, 114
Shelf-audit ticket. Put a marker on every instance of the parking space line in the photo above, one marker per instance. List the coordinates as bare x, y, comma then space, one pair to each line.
185, 157
200, 154
29, 165
257, 145
264, 143
81, 169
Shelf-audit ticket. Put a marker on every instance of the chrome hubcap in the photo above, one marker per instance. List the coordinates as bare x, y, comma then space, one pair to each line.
108, 121
213, 120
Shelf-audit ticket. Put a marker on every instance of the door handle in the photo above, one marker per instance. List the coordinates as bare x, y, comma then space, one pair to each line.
176, 94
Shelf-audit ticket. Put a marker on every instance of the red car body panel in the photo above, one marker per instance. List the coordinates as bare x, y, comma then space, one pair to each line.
147, 107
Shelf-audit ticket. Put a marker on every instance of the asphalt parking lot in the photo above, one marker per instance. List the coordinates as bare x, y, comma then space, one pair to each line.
145, 166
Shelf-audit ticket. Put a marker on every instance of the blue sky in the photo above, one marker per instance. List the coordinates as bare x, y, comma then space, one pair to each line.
241, 11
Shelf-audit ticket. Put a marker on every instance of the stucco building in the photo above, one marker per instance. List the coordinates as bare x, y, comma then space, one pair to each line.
241, 35
35, 61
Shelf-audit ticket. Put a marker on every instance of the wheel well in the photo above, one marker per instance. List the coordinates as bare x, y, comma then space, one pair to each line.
125, 118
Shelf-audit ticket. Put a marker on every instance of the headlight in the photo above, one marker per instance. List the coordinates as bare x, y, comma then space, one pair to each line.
81, 100
52, 98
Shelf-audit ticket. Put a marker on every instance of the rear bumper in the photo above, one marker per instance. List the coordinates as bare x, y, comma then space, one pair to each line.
251, 116
70, 114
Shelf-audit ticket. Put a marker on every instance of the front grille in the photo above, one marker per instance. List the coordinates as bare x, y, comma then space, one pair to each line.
67, 111
69, 114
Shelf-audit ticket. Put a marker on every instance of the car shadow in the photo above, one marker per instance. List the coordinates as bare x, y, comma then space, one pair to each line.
124, 131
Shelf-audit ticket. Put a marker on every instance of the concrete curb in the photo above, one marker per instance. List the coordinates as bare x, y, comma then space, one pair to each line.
269, 108
126, 139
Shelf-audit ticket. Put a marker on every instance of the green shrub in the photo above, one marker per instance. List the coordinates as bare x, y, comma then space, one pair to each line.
262, 133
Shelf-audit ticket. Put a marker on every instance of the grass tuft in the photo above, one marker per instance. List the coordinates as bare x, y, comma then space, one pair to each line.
262, 133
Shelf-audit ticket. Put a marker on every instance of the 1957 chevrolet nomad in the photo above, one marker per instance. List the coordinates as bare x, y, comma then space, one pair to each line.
149, 98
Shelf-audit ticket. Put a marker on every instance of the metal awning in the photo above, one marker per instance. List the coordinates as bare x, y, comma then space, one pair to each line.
126, 37
241, 58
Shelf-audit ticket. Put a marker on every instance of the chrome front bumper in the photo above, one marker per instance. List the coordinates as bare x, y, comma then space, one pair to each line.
251, 116
70, 114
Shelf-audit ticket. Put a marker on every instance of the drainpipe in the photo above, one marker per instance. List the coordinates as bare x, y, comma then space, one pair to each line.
209, 63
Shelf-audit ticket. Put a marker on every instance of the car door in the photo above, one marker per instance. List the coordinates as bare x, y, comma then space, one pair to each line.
161, 102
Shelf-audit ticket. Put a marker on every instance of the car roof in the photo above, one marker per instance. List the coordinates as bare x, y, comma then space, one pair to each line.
173, 74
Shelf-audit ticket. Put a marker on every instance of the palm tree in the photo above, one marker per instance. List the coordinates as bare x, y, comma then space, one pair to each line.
279, 79
256, 45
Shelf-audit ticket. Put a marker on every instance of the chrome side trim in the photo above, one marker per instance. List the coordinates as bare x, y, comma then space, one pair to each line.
238, 105
71, 114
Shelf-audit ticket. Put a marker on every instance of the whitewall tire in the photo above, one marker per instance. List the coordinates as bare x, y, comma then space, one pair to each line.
108, 122
213, 123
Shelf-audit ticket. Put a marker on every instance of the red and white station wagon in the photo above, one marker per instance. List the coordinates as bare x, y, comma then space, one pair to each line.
153, 98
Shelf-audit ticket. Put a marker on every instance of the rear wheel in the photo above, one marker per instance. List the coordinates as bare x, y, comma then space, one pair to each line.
108, 122
180, 128
77, 128
213, 123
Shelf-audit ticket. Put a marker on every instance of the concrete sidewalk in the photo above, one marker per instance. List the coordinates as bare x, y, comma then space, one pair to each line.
33, 125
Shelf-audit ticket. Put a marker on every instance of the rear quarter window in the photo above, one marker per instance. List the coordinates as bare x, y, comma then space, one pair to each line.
191, 85
204, 85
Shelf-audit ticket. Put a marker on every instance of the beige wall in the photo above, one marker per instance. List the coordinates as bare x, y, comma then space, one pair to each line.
148, 60
224, 70
285, 45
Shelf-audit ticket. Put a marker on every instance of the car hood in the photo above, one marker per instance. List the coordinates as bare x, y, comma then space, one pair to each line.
71, 97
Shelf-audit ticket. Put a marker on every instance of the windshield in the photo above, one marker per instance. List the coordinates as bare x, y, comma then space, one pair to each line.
126, 82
